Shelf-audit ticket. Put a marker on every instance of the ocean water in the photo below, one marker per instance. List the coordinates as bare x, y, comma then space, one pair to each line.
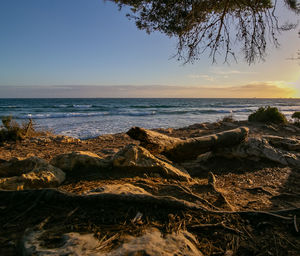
86, 118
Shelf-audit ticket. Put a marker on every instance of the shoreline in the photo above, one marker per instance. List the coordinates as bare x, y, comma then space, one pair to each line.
102, 144
88, 118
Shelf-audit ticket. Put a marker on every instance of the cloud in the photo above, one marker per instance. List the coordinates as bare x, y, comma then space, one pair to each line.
217, 74
255, 89
219, 71
205, 77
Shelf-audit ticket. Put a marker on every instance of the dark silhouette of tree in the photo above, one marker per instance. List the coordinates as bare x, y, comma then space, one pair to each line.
213, 26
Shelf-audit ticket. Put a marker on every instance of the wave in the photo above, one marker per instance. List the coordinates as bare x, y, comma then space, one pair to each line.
195, 112
231, 106
9, 107
82, 106
60, 115
61, 106
90, 114
130, 112
153, 106
151, 113
290, 109
245, 110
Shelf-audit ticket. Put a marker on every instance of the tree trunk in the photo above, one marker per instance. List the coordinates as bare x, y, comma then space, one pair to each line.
179, 150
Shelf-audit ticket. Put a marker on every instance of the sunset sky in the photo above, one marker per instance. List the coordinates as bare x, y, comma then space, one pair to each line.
87, 48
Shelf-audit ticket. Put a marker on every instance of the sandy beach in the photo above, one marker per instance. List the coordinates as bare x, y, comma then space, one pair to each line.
220, 203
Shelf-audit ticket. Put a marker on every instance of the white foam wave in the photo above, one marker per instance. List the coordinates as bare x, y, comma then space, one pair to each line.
82, 106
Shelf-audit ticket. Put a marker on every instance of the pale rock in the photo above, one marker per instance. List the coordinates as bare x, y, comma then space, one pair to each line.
78, 161
229, 124
136, 160
153, 243
71, 244
260, 148
50, 138
65, 139
119, 189
46, 176
41, 140
285, 143
18, 166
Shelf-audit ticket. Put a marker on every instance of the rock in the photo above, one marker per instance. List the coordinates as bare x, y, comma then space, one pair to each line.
50, 138
229, 124
123, 189
82, 161
67, 244
229, 253
136, 161
204, 157
291, 128
285, 143
153, 243
109, 151
65, 139
271, 127
165, 131
46, 176
260, 148
198, 126
16, 166
41, 140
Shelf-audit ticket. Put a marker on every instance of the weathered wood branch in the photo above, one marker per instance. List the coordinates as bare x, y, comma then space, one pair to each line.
179, 150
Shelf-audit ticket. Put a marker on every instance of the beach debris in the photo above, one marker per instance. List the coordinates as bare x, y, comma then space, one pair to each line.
136, 161
221, 201
295, 224
211, 179
138, 218
186, 149
46, 176
79, 161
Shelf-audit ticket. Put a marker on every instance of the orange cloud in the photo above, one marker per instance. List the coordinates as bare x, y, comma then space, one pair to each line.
258, 90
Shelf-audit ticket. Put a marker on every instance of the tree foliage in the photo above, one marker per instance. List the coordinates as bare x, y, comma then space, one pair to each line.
296, 115
213, 26
13, 131
267, 115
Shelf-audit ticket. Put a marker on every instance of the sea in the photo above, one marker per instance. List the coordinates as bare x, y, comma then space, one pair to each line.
87, 118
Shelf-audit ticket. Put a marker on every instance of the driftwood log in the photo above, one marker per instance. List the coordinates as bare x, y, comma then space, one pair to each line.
179, 150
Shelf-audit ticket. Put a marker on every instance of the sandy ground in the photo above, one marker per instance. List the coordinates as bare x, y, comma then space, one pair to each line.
240, 185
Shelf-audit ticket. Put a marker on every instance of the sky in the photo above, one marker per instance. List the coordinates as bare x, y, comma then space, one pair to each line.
88, 48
